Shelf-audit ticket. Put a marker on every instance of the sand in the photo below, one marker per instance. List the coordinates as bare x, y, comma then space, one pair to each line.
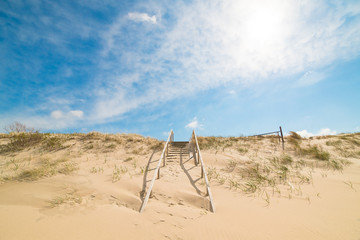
93, 202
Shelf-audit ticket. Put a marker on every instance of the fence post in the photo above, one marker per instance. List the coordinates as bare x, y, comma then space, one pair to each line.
282, 137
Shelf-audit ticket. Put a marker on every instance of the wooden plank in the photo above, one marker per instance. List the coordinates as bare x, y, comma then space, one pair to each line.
157, 172
265, 133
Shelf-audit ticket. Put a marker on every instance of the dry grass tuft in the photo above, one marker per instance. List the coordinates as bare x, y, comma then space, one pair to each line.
316, 152
294, 135
70, 198
45, 168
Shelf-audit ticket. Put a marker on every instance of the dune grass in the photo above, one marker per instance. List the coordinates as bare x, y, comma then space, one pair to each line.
21, 141
46, 168
47, 149
70, 198
30, 170
284, 173
260, 165
118, 172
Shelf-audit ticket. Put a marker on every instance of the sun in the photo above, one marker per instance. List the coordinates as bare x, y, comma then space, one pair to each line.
263, 27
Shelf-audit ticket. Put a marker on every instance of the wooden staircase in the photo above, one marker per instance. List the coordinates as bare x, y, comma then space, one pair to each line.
177, 151
174, 153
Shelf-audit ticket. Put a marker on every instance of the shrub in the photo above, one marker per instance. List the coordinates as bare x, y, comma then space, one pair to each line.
17, 127
53, 143
20, 141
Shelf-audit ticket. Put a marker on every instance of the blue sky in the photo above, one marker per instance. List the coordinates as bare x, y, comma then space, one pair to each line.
225, 68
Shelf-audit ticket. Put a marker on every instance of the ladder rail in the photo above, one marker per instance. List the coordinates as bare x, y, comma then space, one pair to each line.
157, 171
203, 171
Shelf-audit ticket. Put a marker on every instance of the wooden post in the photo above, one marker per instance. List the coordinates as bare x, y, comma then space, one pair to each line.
164, 159
282, 137
158, 174
202, 171
194, 156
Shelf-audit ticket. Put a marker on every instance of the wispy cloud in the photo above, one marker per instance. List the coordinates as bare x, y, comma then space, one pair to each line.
57, 114
310, 78
186, 48
71, 114
194, 124
141, 17
243, 43
76, 113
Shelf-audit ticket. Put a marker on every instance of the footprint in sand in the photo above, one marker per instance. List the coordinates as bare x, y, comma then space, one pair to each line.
160, 221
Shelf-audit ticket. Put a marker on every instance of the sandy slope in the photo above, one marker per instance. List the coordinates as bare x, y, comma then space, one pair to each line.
90, 203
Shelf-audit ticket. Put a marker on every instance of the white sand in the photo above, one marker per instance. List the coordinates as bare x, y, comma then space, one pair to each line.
94, 207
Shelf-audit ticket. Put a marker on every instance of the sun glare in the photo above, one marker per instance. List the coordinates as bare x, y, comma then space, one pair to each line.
263, 27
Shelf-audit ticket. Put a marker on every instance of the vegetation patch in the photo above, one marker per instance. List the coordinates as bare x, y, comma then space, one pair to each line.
316, 152
157, 146
71, 198
20, 141
46, 168
286, 159
242, 150
117, 172
53, 143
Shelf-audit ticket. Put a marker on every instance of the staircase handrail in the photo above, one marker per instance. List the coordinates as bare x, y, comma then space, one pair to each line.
203, 171
157, 170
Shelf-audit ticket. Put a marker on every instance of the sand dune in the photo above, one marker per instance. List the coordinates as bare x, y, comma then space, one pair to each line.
90, 186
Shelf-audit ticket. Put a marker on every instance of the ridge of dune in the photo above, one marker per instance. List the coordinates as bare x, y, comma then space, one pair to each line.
90, 186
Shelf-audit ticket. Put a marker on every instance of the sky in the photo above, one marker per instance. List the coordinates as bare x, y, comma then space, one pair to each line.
223, 68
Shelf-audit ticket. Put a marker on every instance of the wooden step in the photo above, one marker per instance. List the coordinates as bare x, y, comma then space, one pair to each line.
179, 144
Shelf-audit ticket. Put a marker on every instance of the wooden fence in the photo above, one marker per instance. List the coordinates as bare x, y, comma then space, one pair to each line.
279, 133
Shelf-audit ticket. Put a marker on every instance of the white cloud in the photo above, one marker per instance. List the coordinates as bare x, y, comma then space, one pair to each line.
57, 114
326, 131
221, 42
76, 113
322, 132
194, 124
244, 41
71, 114
305, 134
141, 17
209, 45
